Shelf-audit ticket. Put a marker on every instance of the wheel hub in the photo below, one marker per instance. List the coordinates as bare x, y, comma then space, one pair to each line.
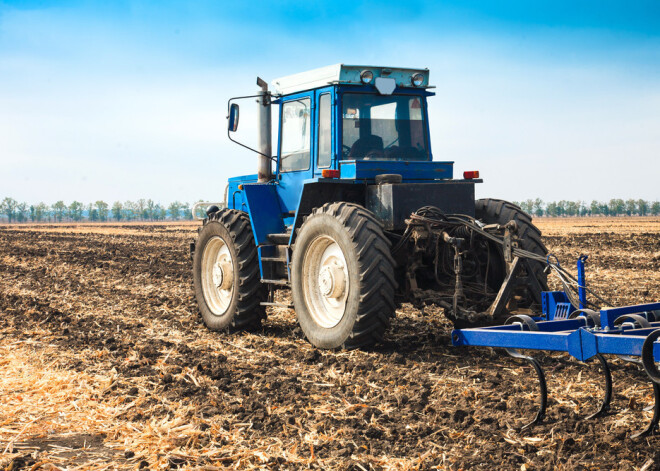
332, 281
326, 284
217, 275
223, 275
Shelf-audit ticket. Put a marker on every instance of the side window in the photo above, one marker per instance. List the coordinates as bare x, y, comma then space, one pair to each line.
325, 137
294, 150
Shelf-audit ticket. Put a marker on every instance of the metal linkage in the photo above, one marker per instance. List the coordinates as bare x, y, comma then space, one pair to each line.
468, 244
631, 332
466, 237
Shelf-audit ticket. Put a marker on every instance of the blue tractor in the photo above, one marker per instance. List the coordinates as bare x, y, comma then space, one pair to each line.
354, 216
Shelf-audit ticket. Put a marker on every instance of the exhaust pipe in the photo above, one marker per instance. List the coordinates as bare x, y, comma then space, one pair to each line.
264, 132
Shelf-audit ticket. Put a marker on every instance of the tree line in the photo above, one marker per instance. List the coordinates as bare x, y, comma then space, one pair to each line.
148, 210
614, 207
140, 210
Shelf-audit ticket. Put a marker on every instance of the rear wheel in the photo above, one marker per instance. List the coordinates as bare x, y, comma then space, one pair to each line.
494, 211
226, 272
342, 277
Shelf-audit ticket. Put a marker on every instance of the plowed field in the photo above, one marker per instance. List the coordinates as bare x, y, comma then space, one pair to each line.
104, 364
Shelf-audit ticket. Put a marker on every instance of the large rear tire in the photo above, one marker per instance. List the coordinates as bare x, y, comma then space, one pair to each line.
342, 277
494, 211
226, 272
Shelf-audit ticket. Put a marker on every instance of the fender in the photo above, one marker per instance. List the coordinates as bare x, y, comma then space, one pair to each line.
318, 191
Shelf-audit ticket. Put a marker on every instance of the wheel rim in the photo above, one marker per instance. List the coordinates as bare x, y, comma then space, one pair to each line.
325, 281
217, 275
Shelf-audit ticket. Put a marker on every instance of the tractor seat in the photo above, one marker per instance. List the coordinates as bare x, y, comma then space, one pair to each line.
366, 145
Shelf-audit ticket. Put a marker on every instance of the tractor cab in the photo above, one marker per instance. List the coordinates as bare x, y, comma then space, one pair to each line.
347, 123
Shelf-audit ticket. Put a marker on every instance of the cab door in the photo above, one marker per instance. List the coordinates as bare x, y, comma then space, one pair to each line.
325, 155
297, 132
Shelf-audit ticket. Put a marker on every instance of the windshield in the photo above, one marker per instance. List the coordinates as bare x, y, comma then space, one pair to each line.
379, 127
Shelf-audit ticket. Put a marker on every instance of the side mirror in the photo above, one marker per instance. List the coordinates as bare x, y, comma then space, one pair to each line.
233, 118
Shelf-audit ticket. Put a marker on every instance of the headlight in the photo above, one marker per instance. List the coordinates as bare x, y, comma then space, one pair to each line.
366, 76
417, 80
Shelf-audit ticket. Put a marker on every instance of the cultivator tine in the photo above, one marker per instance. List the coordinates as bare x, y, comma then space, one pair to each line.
526, 321
605, 405
540, 415
648, 361
652, 428
594, 319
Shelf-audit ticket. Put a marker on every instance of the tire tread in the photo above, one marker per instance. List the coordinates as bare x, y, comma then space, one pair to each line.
376, 267
249, 312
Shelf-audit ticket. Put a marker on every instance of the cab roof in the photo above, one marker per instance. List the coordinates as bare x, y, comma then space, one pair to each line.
346, 74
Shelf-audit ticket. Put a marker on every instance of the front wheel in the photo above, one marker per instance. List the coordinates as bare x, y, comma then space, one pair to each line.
342, 277
226, 272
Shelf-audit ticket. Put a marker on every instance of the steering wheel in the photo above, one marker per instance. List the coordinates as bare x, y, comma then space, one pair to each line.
392, 143
374, 154
345, 150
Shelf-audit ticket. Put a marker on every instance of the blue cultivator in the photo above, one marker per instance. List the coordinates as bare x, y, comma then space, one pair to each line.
567, 325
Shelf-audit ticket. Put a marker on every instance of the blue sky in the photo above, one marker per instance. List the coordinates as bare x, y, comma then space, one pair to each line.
124, 100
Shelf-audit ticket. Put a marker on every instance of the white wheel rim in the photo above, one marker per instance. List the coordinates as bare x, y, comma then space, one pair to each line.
325, 281
217, 275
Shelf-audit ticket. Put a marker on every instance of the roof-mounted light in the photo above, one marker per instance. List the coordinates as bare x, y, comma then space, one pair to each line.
417, 80
366, 76
471, 174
